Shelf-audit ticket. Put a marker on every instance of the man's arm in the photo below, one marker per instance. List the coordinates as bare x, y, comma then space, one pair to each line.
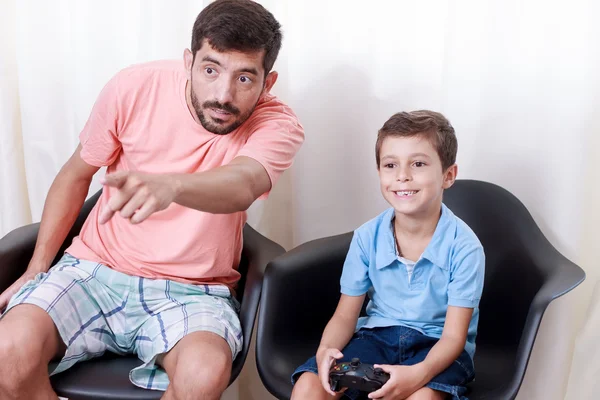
227, 189
223, 190
63, 204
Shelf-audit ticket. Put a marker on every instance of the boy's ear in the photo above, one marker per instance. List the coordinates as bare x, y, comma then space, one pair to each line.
450, 176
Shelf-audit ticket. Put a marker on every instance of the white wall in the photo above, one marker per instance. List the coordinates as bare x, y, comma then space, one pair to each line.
518, 79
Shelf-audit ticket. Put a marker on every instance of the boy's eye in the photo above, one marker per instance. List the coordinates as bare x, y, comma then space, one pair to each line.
419, 164
388, 166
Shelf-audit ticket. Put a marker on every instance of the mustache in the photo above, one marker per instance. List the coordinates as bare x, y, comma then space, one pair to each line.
228, 107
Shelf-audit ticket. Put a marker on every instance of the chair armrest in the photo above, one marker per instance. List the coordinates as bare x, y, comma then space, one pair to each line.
16, 249
257, 252
562, 277
300, 293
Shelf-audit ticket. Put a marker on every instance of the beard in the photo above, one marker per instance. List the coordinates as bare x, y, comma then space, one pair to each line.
215, 125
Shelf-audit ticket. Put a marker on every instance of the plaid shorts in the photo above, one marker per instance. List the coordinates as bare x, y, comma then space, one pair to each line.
98, 309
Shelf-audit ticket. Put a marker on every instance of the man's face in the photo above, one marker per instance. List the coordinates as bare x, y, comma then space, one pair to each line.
411, 176
224, 87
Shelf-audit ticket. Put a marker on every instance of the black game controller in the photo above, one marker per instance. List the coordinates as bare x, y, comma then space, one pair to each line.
355, 375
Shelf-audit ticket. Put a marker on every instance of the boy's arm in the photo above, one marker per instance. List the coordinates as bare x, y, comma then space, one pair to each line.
337, 334
340, 328
450, 345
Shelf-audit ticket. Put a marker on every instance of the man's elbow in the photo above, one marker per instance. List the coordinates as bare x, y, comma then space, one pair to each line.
243, 200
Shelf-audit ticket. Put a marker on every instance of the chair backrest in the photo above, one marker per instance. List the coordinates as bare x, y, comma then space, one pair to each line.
500, 221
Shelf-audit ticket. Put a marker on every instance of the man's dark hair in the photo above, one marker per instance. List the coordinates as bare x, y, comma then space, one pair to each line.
429, 124
240, 25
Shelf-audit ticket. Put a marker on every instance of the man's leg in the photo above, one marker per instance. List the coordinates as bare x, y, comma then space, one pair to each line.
29, 340
199, 367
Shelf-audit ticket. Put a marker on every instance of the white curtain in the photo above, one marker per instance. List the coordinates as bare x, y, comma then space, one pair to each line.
518, 79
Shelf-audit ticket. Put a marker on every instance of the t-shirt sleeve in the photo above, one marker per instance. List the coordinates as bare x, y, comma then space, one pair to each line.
275, 138
355, 279
466, 277
99, 137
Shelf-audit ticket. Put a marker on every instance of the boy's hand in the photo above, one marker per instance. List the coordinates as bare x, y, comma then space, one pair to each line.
404, 381
325, 359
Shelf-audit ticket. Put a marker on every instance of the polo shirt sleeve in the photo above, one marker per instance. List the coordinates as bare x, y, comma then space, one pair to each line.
275, 138
100, 144
466, 277
355, 279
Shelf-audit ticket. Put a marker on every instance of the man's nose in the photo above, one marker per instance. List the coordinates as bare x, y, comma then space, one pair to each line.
225, 91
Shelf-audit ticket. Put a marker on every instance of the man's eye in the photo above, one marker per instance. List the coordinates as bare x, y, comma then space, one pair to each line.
209, 70
245, 79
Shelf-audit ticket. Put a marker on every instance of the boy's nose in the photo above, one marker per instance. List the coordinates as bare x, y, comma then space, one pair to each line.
403, 175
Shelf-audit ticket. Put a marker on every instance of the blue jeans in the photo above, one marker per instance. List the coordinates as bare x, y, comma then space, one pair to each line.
399, 345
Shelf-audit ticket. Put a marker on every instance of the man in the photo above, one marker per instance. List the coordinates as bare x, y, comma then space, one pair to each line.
188, 149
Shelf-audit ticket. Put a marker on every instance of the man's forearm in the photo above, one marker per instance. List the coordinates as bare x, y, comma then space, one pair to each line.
63, 204
222, 190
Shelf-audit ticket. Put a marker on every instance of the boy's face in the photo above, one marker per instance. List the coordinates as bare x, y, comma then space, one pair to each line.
224, 87
411, 175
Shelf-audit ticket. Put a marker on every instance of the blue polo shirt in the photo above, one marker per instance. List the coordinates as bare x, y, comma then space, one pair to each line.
450, 272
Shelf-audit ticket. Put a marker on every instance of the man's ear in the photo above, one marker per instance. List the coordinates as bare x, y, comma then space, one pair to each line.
450, 176
270, 81
188, 62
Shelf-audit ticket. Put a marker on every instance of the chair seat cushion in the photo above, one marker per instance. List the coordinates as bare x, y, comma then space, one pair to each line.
105, 378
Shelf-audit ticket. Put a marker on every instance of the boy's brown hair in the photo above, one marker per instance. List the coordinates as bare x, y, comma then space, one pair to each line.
429, 124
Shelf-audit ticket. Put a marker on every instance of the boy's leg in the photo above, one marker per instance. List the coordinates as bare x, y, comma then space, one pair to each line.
29, 340
371, 346
450, 383
309, 387
428, 394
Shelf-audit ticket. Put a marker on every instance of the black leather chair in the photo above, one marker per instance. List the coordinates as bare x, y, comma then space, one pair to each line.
524, 273
107, 377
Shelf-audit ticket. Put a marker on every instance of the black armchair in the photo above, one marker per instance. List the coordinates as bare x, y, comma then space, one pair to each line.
524, 273
107, 377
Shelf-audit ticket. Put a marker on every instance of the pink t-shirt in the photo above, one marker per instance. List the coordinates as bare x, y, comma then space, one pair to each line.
141, 122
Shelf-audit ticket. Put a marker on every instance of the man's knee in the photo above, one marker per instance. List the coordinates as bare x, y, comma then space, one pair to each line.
201, 380
28, 341
202, 369
427, 394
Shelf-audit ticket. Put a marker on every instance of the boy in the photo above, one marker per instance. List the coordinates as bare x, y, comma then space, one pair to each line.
423, 268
